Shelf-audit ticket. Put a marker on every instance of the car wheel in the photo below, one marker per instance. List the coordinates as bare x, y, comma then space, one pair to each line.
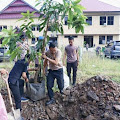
105, 55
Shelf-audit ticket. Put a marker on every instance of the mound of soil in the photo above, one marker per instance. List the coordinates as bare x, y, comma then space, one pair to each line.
96, 99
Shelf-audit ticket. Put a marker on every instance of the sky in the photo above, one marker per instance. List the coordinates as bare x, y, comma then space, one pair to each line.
3, 3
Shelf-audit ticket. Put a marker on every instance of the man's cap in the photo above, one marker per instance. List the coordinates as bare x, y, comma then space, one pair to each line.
71, 38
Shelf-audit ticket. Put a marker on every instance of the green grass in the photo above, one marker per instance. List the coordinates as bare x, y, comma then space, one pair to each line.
92, 65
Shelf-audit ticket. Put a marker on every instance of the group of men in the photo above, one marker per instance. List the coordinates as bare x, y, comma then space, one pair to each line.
52, 60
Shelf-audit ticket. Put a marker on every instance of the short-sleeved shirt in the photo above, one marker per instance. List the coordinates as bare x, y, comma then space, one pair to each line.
16, 72
71, 53
58, 55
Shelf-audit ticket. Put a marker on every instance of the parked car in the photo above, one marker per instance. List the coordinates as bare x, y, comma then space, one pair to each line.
3, 55
112, 49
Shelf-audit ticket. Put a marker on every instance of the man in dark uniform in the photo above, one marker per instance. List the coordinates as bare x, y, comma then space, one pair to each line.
19, 69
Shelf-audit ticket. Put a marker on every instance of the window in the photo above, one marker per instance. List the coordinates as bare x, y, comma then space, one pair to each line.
5, 27
33, 41
109, 39
110, 20
33, 27
101, 39
38, 27
1, 40
89, 20
102, 20
66, 20
0, 28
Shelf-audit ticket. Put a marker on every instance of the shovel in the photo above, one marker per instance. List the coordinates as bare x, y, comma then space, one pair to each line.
14, 114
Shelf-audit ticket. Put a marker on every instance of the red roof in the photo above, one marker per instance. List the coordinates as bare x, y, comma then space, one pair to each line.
98, 6
15, 8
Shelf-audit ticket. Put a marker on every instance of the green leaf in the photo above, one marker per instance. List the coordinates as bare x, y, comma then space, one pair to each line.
5, 41
76, 2
70, 16
41, 29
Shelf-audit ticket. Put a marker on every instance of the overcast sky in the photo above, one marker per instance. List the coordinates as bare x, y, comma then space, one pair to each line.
3, 3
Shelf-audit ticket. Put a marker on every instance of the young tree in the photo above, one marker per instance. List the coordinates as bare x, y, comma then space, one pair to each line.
52, 14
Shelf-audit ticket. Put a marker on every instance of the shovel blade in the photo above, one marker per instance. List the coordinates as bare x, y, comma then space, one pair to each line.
15, 115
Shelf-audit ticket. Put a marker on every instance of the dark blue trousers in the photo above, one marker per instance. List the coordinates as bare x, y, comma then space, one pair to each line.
58, 74
17, 91
73, 66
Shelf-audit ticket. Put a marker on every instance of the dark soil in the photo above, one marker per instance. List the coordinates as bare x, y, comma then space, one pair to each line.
96, 99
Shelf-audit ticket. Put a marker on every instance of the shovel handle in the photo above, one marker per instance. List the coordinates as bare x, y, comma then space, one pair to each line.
5, 78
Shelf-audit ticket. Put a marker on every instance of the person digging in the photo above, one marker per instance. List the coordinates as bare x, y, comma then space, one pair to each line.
53, 58
19, 70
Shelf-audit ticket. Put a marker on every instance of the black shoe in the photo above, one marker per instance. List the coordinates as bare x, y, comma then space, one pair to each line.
51, 101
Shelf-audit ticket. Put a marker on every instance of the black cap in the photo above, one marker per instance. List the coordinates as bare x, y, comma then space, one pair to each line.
52, 45
71, 38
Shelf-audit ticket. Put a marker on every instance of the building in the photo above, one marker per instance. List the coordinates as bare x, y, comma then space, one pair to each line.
103, 20
104, 25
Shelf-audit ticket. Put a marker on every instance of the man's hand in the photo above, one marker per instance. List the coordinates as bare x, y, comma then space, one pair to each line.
25, 76
3, 72
26, 80
44, 56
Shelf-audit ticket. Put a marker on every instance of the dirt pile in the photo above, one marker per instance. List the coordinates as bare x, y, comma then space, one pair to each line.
96, 99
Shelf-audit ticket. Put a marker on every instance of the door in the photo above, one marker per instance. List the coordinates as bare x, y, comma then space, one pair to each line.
88, 40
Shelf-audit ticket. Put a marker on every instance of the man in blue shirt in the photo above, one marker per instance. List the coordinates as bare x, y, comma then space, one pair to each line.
19, 69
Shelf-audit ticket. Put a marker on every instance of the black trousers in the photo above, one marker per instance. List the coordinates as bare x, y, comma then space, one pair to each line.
58, 74
73, 66
17, 91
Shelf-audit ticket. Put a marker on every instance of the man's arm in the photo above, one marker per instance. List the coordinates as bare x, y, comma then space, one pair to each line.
56, 61
77, 56
64, 57
24, 72
25, 76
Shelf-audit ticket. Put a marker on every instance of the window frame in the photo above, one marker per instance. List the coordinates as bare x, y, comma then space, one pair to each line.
33, 39
110, 20
101, 43
66, 20
109, 39
102, 21
89, 22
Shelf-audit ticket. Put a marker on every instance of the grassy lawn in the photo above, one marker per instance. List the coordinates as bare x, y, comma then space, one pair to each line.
92, 65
